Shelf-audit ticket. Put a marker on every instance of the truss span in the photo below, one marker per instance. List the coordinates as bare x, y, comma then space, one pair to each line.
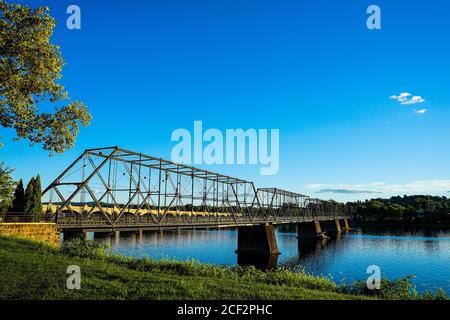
117, 188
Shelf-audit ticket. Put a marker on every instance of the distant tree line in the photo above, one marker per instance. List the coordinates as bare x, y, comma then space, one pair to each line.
406, 209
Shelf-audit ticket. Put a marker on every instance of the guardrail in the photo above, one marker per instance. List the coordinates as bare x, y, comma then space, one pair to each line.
22, 217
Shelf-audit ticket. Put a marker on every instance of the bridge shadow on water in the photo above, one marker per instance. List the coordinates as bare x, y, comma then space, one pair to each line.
308, 248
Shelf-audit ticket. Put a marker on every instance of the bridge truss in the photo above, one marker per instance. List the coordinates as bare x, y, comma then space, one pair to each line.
114, 187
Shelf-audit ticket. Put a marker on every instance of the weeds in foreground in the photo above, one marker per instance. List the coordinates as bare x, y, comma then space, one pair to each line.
399, 289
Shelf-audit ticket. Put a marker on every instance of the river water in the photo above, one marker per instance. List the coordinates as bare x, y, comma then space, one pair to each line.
398, 252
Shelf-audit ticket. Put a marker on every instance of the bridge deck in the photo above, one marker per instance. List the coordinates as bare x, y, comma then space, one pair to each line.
84, 225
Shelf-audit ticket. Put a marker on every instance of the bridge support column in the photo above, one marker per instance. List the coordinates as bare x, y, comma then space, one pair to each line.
331, 226
318, 227
338, 225
85, 235
259, 239
346, 225
310, 230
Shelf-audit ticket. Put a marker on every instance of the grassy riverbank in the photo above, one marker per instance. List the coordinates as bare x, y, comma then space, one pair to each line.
31, 270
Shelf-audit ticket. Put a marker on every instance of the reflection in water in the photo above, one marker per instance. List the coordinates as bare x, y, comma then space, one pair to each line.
260, 261
309, 246
400, 251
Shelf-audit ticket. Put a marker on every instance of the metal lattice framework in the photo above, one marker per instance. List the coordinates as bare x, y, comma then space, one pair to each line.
117, 187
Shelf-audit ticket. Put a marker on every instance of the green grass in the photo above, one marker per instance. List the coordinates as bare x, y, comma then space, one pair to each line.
31, 270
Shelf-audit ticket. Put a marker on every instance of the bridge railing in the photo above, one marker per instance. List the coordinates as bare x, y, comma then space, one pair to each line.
183, 220
10, 217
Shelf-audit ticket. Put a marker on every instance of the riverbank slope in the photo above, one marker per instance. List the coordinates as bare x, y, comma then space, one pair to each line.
32, 270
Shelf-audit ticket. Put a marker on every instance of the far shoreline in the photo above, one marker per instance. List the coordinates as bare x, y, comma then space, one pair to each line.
402, 224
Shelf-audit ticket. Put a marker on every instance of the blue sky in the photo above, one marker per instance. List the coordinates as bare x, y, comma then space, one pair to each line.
311, 69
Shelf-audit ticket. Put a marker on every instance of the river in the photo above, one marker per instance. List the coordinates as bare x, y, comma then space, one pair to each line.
422, 252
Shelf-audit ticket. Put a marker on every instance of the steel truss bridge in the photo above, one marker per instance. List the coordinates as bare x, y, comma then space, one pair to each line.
113, 188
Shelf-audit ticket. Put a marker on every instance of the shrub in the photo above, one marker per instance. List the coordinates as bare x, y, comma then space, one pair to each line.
85, 249
400, 289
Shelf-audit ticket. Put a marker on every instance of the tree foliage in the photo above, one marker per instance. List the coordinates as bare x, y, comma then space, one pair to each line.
37, 195
6, 187
409, 209
18, 204
32, 198
29, 196
33, 194
29, 69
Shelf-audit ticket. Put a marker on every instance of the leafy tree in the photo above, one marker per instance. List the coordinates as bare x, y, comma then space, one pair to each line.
29, 68
18, 204
6, 187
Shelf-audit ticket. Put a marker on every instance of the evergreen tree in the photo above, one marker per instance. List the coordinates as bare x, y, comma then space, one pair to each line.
37, 195
29, 197
18, 204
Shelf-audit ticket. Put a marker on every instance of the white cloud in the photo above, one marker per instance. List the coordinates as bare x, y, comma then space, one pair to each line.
402, 97
419, 186
414, 100
406, 99
420, 111
346, 191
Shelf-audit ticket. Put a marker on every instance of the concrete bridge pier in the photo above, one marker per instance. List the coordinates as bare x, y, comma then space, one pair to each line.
331, 227
259, 239
310, 230
338, 225
140, 236
345, 224
116, 237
